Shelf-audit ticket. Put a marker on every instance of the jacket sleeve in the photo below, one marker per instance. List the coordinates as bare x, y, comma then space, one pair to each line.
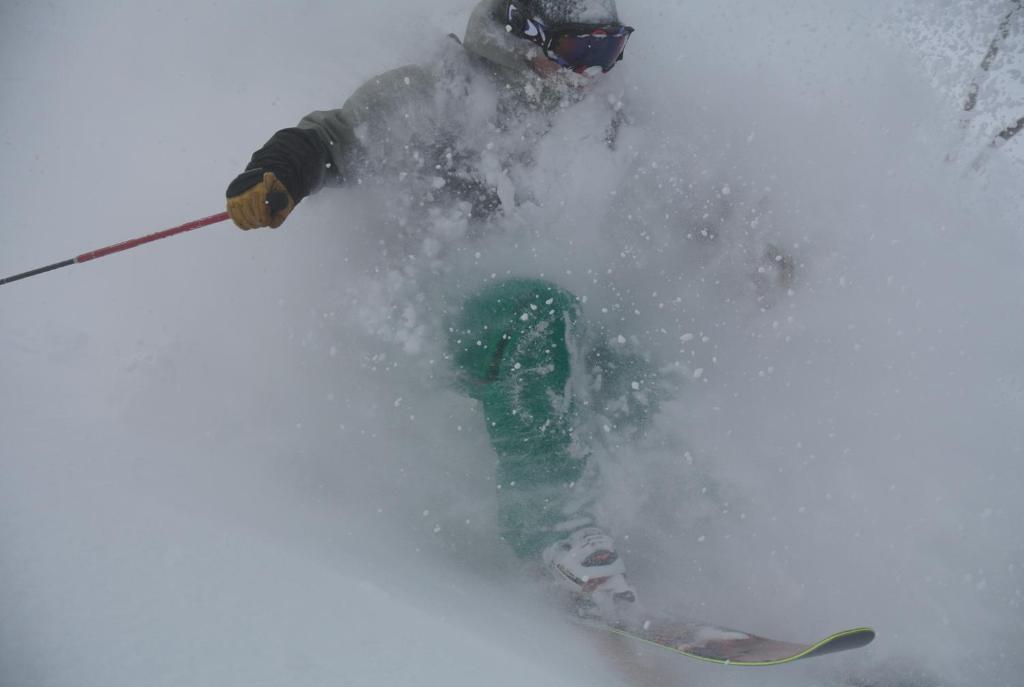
327, 146
349, 134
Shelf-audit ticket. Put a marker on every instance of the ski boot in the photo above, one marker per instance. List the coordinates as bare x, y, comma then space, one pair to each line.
586, 564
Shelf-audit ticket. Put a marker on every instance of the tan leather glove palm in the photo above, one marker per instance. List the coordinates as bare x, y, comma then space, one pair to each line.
251, 208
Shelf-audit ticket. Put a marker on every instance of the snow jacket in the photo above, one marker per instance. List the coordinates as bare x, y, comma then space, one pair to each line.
436, 128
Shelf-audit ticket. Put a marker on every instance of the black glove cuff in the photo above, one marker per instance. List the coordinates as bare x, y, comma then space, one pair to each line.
295, 156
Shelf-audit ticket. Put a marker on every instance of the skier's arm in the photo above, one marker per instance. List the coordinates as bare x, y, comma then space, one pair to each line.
346, 133
323, 148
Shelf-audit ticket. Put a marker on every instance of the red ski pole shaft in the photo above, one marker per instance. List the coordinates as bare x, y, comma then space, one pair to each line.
118, 247
276, 202
166, 233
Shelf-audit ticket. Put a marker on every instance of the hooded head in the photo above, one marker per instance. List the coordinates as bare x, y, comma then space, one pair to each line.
555, 12
488, 33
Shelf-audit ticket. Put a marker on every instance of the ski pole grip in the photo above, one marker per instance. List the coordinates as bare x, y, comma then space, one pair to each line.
277, 201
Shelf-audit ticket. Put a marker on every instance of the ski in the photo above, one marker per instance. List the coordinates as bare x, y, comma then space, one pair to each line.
720, 645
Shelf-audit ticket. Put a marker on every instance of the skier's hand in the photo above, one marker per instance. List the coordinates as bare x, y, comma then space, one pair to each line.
258, 199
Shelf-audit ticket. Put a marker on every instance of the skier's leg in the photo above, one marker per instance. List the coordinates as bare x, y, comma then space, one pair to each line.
515, 345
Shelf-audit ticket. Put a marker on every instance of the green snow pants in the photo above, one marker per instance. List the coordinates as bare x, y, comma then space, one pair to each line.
516, 348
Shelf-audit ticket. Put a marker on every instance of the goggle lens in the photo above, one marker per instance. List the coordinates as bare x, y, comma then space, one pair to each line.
598, 48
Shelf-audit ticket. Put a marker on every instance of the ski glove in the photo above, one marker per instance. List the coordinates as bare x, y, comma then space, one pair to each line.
290, 166
258, 199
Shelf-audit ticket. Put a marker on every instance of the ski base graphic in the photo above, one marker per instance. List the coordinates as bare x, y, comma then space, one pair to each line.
731, 647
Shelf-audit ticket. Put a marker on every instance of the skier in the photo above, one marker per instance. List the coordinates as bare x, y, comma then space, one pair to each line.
459, 134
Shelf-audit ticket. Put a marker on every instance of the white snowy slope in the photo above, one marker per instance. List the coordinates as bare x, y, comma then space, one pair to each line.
233, 458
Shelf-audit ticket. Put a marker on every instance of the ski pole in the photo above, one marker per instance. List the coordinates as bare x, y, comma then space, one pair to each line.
118, 247
274, 200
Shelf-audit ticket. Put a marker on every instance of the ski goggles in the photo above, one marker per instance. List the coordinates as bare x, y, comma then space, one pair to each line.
578, 47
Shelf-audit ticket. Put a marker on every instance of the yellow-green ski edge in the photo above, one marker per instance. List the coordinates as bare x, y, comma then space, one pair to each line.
862, 635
